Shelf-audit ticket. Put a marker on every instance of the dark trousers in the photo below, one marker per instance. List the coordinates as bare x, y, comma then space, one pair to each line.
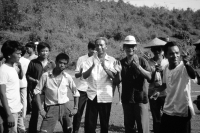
56, 113
156, 107
175, 124
92, 110
81, 105
34, 118
136, 112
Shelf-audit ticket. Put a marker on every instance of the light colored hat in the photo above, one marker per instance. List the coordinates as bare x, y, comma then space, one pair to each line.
197, 43
130, 40
155, 42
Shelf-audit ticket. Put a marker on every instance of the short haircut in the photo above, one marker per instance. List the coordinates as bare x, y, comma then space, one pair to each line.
62, 56
31, 45
9, 47
102, 38
42, 45
23, 49
91, 45
168, 45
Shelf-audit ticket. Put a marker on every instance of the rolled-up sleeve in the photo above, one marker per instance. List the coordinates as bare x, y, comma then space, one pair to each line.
73, 88
39, 87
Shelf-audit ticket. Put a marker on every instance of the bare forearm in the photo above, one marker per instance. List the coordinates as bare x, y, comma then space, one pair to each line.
88, 72
190, 71
146, 74
4, 102
76, 102
20, 74
38, 102
109, 73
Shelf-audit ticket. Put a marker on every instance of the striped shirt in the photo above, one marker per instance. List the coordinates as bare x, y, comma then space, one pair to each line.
100, 84
82, 85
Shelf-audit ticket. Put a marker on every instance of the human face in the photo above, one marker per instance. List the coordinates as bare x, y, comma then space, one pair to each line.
173, 55
129, 49
44, 53
157, 51
29, 50
61, 64
15, 56
91, 51
100, 46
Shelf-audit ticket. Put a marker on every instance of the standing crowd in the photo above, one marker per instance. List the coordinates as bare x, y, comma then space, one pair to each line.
36, 85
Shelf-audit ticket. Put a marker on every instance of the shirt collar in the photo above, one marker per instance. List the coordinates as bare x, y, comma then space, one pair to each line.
50, 73
106, 57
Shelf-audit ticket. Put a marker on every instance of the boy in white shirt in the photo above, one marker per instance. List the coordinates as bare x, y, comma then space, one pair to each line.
55, 85
9, 87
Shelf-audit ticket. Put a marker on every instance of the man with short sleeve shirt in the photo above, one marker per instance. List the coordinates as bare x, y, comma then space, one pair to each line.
135, 75
82, 86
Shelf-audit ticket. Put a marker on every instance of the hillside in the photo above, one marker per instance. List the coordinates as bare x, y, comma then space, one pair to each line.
68, 25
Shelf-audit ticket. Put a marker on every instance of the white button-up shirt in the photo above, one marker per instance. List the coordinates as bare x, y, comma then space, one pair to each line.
82, 84
178, 90
100, 84
54, 93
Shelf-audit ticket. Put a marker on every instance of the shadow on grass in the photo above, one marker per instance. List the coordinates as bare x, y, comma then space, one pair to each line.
112, 128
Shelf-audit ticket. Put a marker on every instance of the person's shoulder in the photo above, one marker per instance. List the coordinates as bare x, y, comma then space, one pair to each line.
110, 58
67, 75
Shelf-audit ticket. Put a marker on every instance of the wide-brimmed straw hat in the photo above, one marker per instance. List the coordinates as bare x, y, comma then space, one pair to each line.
155, 42
130, 40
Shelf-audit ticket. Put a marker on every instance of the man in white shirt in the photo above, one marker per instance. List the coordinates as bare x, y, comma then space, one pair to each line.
9, 87
99, 71
178, 107
82, 86
55, 85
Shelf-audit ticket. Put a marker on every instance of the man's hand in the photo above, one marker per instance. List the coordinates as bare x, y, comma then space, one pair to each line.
186, 57
155, 95
43, 113
74, 111
10, 121
135, 61
117, 66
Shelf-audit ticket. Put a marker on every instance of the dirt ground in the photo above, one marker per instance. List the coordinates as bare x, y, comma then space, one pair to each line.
116, 117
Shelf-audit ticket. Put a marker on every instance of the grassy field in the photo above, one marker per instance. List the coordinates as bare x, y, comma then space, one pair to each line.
116, 118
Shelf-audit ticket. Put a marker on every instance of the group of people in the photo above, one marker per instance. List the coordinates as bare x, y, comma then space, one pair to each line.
39, 86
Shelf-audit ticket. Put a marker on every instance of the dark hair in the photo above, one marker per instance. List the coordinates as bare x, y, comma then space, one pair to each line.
23, 49
102, 38
168, 45
62, 56
31, 45
91, 45
9, 47
42, 45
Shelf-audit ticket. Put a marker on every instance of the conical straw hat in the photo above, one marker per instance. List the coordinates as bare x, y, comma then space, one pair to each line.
155, 42
197, 43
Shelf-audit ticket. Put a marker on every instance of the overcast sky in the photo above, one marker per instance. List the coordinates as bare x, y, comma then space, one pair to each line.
193, 4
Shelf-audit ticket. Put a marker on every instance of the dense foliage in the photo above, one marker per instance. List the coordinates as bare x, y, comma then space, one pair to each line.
68, 25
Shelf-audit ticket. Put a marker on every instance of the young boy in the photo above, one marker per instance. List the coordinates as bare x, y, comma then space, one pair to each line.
178, 108
31, 46
9, 87
55, 84
35, 70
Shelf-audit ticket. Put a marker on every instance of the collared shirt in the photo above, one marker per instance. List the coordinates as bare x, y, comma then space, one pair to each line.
100, 84
35, 71
134, 85
56, 93
152, 86
82, 84
178, 91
